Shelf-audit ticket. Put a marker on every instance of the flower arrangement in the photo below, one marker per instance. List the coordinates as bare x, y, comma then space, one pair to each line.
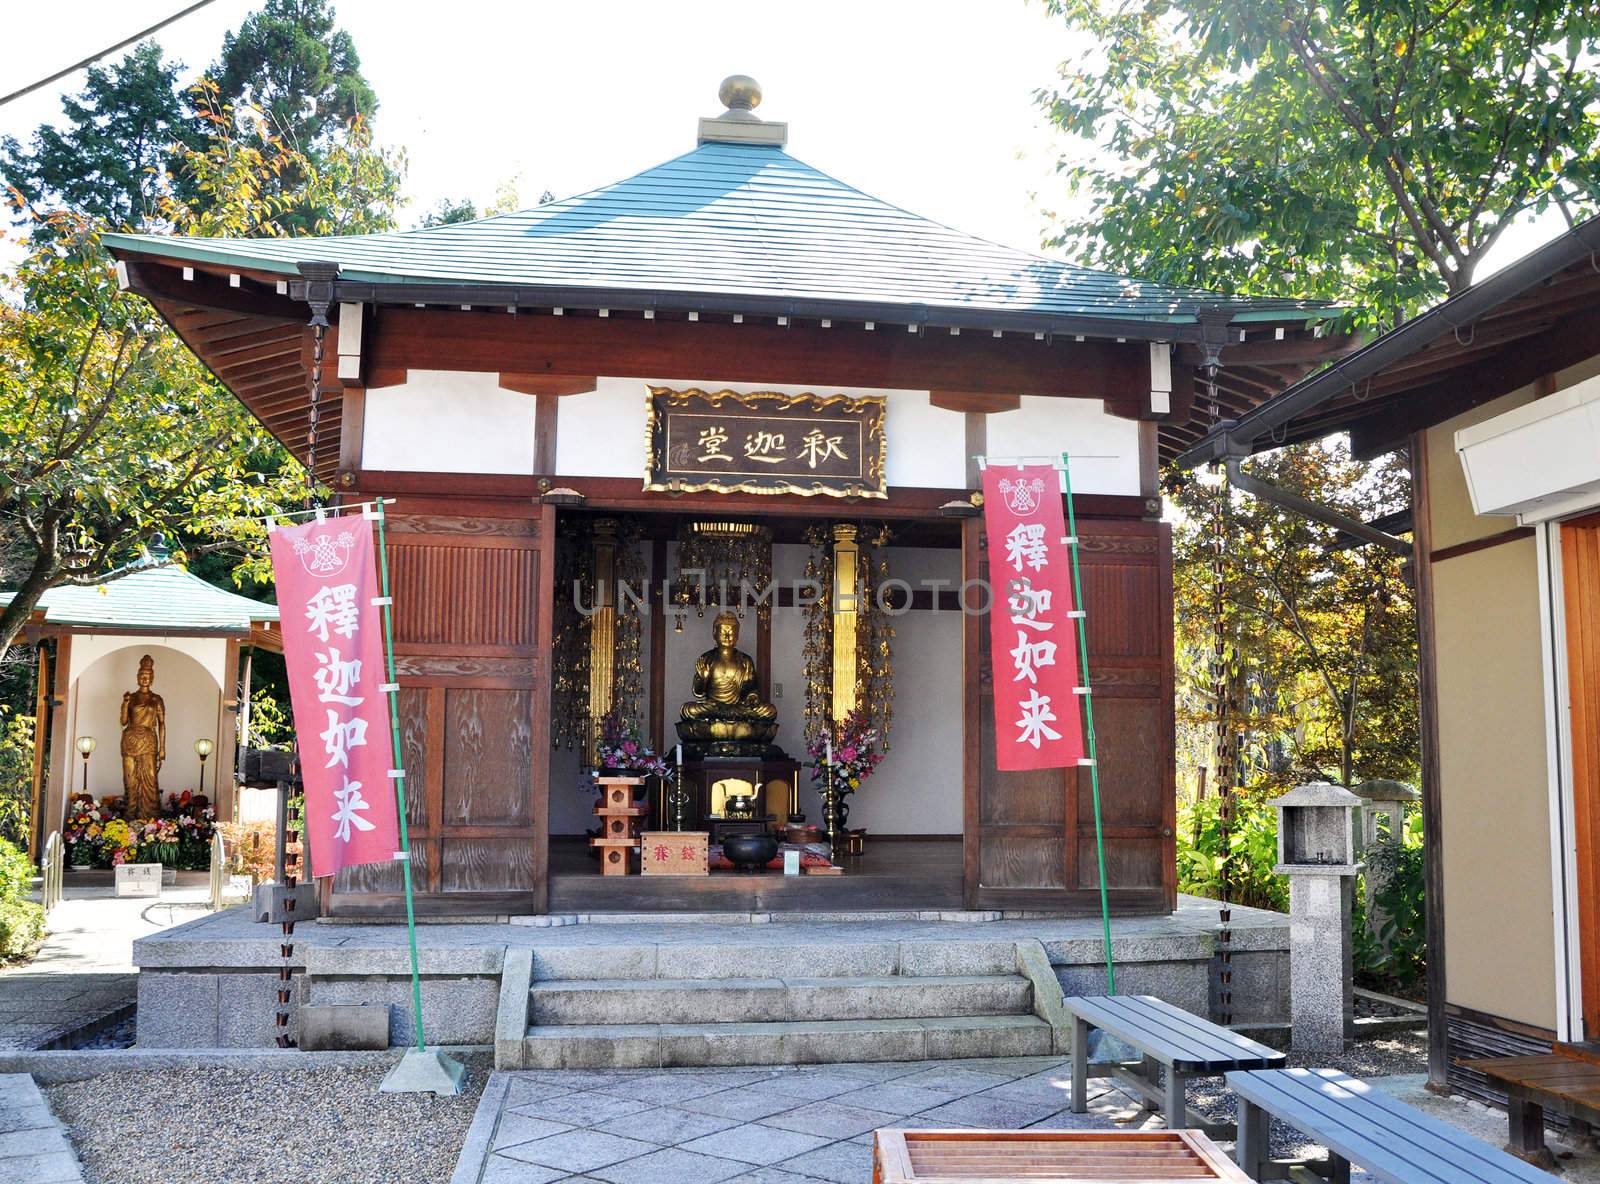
851, 744
620, 747
180, 837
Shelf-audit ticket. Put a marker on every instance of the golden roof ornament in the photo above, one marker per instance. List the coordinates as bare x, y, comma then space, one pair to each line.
740, 95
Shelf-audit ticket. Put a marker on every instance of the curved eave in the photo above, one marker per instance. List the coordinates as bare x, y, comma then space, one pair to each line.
357, 285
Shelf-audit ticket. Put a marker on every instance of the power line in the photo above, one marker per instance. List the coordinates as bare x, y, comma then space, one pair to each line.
92, 58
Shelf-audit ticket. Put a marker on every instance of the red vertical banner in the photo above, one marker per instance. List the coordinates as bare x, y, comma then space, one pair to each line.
333, 648
1038, 720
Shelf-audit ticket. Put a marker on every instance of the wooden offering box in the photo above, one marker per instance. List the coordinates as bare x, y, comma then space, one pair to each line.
995, 1157
675, 853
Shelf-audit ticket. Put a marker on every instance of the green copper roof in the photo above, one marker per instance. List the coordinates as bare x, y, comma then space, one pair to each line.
150, 597
733, 221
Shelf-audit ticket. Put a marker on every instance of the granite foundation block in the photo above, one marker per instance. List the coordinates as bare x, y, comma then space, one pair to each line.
212, 1009
454, 1010
344, 1027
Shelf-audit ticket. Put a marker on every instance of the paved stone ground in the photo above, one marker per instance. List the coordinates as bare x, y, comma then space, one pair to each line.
786, 1125
33, 1147
85, 969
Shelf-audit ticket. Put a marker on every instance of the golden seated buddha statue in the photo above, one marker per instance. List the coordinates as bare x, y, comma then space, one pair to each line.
727, 711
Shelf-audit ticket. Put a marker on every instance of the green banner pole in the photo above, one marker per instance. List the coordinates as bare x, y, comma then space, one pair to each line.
1088, 714
400, 778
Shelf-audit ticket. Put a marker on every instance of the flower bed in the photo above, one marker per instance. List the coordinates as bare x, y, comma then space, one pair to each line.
97, 835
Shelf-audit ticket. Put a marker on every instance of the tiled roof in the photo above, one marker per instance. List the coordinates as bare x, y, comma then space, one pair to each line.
732, 220
147, 596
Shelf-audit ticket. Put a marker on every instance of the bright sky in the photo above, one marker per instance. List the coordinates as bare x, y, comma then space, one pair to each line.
925, 103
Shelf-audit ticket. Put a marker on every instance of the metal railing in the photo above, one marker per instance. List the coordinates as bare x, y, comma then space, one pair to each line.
219, 869
51, 866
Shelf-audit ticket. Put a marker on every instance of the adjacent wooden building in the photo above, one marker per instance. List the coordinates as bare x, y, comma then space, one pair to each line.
494, 378
1496, 394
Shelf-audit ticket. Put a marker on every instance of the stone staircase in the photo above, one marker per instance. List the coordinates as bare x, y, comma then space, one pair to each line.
671, 1005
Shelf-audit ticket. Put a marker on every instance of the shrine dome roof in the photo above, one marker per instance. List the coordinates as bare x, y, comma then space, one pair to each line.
152, 595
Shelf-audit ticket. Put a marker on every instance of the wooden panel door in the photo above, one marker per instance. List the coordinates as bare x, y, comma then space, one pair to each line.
1580, 578
1029, 837
472, 637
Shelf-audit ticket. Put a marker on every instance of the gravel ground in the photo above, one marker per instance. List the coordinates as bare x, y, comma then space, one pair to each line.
228, 1126
118, 1035
1389, 1057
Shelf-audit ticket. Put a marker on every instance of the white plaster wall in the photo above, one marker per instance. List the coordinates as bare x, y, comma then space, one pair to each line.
601, 434
187, 681
1104, 447
448, 421
460, 422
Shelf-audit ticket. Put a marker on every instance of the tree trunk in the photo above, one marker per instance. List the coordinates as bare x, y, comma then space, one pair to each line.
15, 615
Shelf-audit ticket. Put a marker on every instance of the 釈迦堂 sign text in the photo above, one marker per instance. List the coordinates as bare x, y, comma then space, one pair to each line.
765, 442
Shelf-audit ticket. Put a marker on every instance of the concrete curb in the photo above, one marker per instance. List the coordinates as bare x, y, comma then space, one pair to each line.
53, 1068
33, 1145
1049, 1000
511, 1014
480, 1135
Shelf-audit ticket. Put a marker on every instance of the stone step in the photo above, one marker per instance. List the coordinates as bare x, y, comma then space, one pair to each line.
804, 1042
842, 958
768, 1000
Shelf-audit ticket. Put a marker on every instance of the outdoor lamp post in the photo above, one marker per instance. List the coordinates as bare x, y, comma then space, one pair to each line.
202, 749
85, 747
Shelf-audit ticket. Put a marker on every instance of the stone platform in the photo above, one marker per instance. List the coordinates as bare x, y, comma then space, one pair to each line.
612, 990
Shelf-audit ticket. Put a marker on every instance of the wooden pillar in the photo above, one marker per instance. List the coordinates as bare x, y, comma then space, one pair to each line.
61, 750
223, 787
658, 645
41, 734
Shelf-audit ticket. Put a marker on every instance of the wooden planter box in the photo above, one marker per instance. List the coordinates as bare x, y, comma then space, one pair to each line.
997, 1157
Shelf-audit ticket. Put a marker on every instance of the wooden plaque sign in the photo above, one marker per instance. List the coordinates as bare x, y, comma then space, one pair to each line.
674, 853
765, 443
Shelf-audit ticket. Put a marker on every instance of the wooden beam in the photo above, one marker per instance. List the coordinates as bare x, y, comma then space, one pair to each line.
1571, 340
548, 384
156, 282
1272, 353
450, 340
974, 403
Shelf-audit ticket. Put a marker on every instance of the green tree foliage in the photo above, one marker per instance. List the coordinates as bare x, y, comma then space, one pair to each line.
111, 431
1366, 153
292, 62
21, 921
110, 158
1319, 635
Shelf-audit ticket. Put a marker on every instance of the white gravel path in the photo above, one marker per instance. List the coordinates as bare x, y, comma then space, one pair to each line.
229, 1126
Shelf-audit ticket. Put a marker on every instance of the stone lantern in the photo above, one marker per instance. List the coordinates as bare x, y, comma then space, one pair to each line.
1317, 851
1381, 799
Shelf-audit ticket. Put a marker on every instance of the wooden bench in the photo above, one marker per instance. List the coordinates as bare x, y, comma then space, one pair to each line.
1062, 1157
1165, 1036
1566, 1081
1397, 1143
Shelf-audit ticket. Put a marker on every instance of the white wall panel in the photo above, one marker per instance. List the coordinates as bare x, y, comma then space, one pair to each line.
448, 421
1105, 447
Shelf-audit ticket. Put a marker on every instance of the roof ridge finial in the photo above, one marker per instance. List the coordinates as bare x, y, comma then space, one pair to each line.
739, 124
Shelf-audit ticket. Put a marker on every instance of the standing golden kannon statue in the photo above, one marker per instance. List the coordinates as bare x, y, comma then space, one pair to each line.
144, 744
